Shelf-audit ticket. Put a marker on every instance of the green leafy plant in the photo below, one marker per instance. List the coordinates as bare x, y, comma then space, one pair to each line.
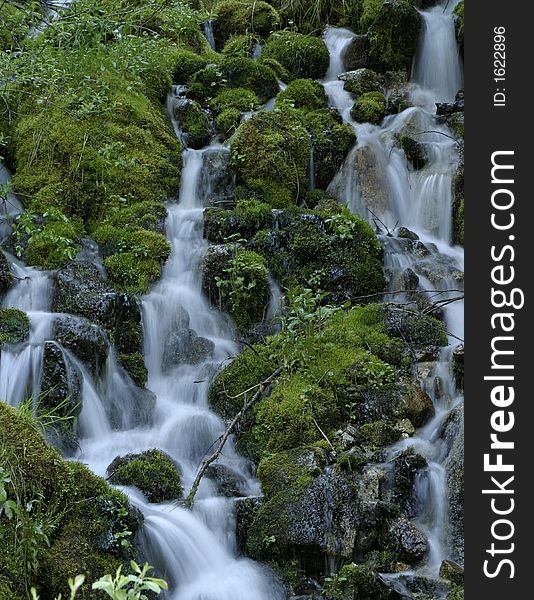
130, 587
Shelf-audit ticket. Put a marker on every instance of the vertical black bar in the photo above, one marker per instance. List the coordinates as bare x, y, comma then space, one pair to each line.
498, 121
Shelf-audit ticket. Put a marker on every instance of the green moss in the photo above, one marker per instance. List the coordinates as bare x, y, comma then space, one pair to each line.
243, 287
147, 215
130, 272
369, 108
54, 245
186, 64
134, 365
356, 581
379, 434
234, 73
331, 142
302, 56
193, 122
241, 99
228, 122
305, 94
285, 421
365, 81
272, 148
280, 71
84, 518
243, 16
14, 326
370, 11
153, 472
248, 217
459, 224
240, 46
416, 329
394, 35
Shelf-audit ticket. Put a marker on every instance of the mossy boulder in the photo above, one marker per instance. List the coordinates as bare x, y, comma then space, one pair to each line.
80, 290
355, 581
305, 94
340, 251
84, 519
361, 81
406, 541
248, 217
237, 17
134, 365
302, 56
273, 149
240, 285
193, 123
241, 46
234, 73
369, 108
357, 53
14, 326
152, 471
331, 141
186, 64
418, 330
393, 33
240, 99
415, 151
6, 277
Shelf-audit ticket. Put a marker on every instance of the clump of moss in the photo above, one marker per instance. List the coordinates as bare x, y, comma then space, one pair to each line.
243, 16
305, 94
369, 108
393, 35
240, 99
242, 284
53, 245
280, 71
134, 365
193, 123
186, 64
14, 326
370, 11
248, 217
90, 526
362, 82
303, 56
228, 122
331, 141
240, 46
272, 148
356, 581
153, 472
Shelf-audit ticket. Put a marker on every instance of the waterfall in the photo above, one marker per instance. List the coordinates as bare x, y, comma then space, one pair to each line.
422, 201
208, 32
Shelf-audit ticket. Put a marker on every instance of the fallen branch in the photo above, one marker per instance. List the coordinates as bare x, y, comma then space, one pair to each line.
206, 463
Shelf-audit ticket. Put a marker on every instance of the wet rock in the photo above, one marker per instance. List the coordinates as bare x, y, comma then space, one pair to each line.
229, 483
14, 326
152, 471
80, 290
409, 280
453, 436
406, 540
404, 232
452, 571
415, 152
217, 179
245, 511
424, 587
193, 123
406, 466
458, 366
361, 81
357, 53
6, 277
61, 385
404, 401
418, 330
84, 339
447, 108
185, 347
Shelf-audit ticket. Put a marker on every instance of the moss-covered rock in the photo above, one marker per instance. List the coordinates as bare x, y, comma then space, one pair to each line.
362, 81
193, 123
241, 17
416, 329
240, 99
415, 151
134, 365
241, 46
393, 32
14, 326
303, 56
248, 217
186, 64
339, 252
152, 471
305, 94
272, 148
369, 108
331, 142
85, 520
356, 581
240, 285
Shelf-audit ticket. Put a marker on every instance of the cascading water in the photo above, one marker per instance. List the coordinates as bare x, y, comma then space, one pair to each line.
421, 200
208, 32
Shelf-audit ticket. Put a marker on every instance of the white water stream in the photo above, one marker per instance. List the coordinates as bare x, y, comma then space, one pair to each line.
420, 200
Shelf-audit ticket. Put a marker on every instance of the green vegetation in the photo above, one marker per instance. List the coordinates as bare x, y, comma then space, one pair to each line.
369, 108
242, 17
65, 520
302, 93
303, 56
14, 326
153, 472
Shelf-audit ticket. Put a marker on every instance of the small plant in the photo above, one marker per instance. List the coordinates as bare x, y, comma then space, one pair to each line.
130, 587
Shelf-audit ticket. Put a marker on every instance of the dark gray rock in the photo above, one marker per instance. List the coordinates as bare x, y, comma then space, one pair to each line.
357, 53
229, 483
406, 540
6, 277
406, 467
452, 571
185, 347
245, 511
